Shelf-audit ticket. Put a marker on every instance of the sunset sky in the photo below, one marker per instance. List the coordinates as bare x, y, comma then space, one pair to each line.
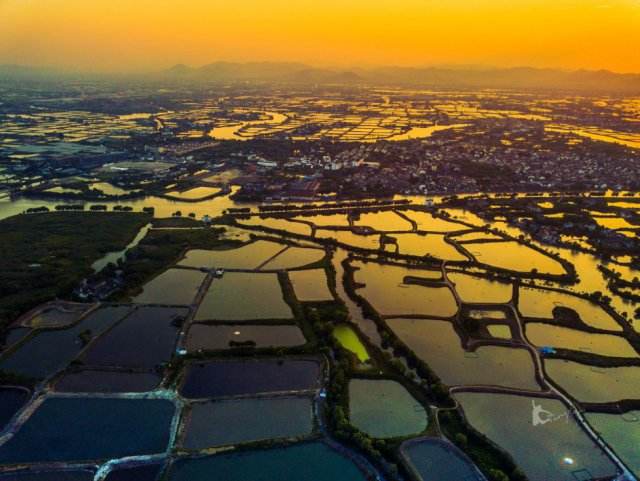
103, 35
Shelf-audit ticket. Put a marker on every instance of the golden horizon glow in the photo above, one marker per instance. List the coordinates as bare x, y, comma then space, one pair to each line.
103, 35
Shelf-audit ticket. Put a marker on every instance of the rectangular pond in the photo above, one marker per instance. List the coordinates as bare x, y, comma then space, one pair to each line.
83, 429
93, 381
542, 334
248, 256
174, 286
249, 376
310, 285
237, 421
209, 337
385, 289
384, 409
475, 289
144, 339
313, 461
240, 296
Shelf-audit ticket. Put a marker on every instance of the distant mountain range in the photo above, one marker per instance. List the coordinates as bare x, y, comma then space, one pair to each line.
525, 78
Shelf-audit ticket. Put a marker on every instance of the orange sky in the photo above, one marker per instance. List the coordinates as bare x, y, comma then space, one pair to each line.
153, 34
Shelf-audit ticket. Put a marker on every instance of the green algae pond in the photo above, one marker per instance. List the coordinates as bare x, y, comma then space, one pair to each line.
242, 296
438, 344
622, 433
384, 409
349, 339
237, 377
82, 429
256, 419
556, 450
438, 460
174, 286
313, 461
209, 337
310, 285
595, 384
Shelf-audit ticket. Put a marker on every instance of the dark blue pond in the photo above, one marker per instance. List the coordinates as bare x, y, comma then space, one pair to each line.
50, 351
48, 476
235, 377
11, 400
107, 382
77, 429
14, 335
436, 460
303, 462
144, 339
148, 472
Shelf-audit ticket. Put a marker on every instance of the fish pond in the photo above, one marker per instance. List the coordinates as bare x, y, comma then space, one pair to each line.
595, 384
514, 256
294, 257
93, 381
385, 288
252, 420
248, 256
384, 409
147, 472
473, 289
433, 245
243, 377
62, 475
144, 339
11, 401
559, 450
438, 344
622, 433
310, 285
208, 337
50, 351
241, 296
438, 460
313, 461
540, 303
174, 286
562, 337
79, 429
